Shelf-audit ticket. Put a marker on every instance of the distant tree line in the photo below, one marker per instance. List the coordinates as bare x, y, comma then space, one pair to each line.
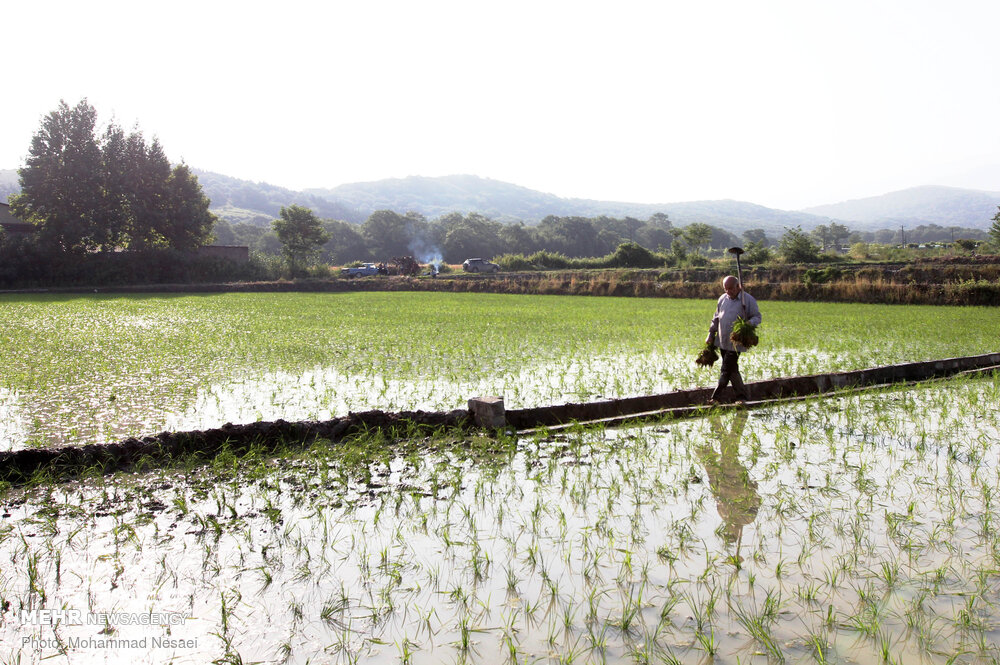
455, 237
921, 234
104, 203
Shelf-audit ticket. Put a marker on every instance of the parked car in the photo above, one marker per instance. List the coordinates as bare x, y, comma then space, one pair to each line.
363, 270
479, 265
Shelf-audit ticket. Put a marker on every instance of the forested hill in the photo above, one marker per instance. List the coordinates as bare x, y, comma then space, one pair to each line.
946, 206
503, 201
259, 203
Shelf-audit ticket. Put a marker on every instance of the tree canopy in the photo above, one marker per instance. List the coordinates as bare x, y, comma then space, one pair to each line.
301, 236
698, 235
797, 247
87, 192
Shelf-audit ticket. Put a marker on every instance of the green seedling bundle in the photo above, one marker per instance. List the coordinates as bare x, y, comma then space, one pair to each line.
744, 334
707, 356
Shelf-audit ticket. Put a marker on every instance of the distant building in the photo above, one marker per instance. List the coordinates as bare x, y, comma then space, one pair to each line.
11, 225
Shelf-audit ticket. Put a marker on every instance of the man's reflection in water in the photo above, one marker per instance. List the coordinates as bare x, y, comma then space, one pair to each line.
735, 492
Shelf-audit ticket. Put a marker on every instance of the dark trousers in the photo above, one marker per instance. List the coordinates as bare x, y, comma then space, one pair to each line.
730, 373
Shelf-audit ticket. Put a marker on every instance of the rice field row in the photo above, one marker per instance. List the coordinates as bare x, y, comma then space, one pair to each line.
83, 369
860, 529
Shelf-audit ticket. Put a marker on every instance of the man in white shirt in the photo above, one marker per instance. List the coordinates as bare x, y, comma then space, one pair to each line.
733, 304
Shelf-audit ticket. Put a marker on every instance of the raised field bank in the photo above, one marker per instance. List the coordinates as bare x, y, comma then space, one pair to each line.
95, 369
859, 528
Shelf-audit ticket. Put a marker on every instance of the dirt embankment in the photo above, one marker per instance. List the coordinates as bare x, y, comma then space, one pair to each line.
71, 461
201, 446
931, 282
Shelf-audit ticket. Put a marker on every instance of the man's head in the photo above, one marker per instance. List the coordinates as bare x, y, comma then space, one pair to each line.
731, 286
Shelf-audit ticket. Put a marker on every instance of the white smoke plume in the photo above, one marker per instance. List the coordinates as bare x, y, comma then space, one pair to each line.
425, 251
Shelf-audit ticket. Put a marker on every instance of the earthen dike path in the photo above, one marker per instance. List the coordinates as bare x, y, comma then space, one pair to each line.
483, 413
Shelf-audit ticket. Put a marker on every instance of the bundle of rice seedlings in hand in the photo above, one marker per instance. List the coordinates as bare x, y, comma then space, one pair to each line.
744, 334
707, 356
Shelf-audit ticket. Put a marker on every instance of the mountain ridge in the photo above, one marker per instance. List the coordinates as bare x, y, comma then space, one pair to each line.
435, 196
257, 203
937, 204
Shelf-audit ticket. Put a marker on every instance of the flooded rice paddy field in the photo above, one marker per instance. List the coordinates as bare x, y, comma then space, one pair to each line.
859, 529
86, 369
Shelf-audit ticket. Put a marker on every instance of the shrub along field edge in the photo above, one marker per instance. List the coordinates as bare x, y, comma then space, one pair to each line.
604, 283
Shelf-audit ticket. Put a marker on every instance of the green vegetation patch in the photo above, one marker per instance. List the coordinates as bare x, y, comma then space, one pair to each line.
92, 369
856, 529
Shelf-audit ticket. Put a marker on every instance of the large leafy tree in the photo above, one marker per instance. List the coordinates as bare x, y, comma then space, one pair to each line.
995, 228
345, 244
61, 183
388, 234
150, 197
755, 235
517, 239
573, 236
119, 175
186, 222
469, 236
654, 237
655, 234
839, 233
301, 235
823, 235
114, 192
698, 235
796, 246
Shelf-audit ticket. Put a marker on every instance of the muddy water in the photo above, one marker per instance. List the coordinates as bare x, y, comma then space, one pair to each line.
854, 530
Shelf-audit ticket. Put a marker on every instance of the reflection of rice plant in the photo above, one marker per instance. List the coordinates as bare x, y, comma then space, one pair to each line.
869, 520
630, 612
702, 611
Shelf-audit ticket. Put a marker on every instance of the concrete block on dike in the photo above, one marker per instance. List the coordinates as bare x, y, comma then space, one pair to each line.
488, 412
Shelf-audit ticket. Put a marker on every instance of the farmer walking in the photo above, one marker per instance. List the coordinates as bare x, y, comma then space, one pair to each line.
733, 304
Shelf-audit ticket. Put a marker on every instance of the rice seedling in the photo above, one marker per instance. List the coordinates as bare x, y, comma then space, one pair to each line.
744, 334
707, 356
870, 530
176, 362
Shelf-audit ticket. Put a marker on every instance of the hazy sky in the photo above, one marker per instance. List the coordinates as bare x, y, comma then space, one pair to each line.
786, 104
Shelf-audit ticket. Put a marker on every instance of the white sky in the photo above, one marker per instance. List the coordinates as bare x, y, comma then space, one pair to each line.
785, 104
